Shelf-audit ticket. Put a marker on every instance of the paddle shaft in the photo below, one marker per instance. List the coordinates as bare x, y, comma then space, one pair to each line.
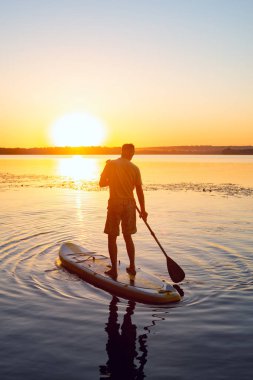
175, 271
152, 232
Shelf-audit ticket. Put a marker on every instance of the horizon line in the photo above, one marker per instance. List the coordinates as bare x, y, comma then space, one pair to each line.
136, 147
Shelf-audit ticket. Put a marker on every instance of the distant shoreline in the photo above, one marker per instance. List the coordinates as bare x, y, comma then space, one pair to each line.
165, 150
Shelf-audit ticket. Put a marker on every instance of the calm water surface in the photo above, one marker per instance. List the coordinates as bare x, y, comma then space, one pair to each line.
55, 326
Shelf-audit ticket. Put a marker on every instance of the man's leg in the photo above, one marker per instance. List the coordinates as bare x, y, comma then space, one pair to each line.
131, 252
113, 251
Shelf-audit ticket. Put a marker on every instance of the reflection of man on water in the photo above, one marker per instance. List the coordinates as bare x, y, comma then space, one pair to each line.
121, 346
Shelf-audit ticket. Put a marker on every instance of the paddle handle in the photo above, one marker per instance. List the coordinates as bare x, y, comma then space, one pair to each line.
152, 232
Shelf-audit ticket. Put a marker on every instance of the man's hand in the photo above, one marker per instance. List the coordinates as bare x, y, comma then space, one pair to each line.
143, 215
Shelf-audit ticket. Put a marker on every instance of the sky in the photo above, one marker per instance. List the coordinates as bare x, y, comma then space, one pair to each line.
153, 72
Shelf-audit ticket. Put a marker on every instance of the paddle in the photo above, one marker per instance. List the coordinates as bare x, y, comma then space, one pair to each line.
175, 271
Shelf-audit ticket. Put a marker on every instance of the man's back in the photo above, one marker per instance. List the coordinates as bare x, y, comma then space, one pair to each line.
123, 176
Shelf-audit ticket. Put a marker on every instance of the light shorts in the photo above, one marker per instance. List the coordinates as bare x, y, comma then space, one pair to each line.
123, 211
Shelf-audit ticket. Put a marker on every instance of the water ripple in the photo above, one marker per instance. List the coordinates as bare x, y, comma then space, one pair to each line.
12, 181
214, 263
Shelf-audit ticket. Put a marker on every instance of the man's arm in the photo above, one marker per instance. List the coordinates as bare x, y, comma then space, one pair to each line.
141, 199
104, 178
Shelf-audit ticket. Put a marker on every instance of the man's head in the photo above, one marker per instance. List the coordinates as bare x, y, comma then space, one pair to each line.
127, 151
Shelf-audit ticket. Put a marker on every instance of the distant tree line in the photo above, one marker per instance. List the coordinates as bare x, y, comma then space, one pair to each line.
238, 151
61, 150
97, 150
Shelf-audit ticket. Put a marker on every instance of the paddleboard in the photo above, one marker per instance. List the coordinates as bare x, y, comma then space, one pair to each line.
90, 266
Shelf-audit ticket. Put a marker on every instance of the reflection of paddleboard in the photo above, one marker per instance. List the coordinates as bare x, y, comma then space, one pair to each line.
91, 266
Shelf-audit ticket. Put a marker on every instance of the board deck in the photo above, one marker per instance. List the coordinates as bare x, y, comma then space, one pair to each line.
91, 266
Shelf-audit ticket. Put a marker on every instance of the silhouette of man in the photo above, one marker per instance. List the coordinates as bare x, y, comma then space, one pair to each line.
122, 177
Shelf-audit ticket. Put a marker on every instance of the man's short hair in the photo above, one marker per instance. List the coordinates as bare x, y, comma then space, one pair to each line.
127, 148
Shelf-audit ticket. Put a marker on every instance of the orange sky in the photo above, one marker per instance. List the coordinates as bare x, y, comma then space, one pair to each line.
154, 74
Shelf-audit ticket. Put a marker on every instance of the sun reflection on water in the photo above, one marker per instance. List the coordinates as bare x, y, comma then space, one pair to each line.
78, 168
79, 212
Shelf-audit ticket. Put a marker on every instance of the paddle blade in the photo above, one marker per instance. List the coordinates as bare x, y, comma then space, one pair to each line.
175, 271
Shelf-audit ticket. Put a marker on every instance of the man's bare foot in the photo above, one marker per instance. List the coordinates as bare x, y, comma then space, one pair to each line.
112, 273
131, 270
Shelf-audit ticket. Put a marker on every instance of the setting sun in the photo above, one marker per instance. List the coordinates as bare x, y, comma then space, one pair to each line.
77, 129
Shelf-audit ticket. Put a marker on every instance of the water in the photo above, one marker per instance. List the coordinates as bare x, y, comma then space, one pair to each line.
55, 326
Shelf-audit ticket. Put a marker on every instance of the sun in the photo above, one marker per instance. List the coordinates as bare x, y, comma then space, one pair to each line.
78, 129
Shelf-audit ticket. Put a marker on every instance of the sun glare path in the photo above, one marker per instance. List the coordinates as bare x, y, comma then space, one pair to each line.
78, 129
78, 168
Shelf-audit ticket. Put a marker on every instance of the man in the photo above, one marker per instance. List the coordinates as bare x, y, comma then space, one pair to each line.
122, 177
